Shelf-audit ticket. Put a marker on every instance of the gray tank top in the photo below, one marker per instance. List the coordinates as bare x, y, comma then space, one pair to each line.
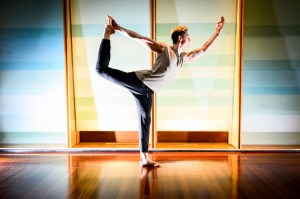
166, 67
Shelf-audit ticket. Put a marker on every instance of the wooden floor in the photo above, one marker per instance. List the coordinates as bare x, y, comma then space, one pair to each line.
118, 175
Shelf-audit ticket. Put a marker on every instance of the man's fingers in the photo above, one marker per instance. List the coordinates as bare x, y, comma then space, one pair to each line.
109, 19
222, 19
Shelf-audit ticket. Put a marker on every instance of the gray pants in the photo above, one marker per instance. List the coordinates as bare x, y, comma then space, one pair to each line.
142, 94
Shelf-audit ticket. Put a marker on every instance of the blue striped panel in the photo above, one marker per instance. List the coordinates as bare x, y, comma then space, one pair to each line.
32, 49
271, 64
13, 33
272, 78
271, 83
255, 112
271, 30
281, 138
32, 67
271, 90
34, 82
40, 138
272, 102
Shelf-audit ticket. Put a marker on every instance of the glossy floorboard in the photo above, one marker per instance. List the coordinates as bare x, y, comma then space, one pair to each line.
118, 175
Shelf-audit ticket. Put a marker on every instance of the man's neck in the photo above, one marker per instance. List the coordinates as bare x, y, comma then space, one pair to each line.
177, 47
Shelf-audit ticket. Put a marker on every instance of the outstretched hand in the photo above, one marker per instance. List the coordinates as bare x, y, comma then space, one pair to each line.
220, 24
108, 20
112, 22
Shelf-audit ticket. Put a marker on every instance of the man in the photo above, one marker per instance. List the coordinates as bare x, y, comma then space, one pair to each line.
143, 83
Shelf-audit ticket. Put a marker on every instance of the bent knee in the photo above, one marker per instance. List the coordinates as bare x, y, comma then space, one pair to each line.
101, 70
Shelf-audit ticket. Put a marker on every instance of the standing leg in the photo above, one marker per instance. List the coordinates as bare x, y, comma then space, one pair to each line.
144, 105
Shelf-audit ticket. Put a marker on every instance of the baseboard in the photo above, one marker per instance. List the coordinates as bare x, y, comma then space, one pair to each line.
269, 147
162, 136
193, 136
108, 136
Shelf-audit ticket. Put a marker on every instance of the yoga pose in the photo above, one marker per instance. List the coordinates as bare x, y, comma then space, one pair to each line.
143, 83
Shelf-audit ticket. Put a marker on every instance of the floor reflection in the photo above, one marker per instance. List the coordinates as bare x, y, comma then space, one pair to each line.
181, 175
148, 185
119, 175
104, 176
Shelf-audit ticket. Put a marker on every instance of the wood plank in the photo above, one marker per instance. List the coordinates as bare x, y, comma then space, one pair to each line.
118, 175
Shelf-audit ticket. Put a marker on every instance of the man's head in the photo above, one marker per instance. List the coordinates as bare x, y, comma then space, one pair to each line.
180, 34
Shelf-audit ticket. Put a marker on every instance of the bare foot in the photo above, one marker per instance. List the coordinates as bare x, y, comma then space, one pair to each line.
108, 29
149, 163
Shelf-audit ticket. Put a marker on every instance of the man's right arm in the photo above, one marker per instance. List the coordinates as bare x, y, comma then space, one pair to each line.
195, 54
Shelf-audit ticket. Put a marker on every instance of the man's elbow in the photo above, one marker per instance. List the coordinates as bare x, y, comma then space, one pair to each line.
203, 49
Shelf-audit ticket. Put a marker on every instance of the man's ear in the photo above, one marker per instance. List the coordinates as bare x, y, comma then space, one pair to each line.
180, 38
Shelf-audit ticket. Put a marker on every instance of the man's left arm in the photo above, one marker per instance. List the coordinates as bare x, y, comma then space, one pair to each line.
147, 42
198, 52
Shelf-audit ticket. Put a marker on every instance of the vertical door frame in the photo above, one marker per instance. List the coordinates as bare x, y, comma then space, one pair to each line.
153, 36
235, 134
73, 134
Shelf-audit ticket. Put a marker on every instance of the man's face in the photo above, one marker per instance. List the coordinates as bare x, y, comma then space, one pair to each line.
186, 40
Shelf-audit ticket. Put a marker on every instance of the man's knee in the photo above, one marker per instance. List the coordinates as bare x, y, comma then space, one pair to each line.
102, 71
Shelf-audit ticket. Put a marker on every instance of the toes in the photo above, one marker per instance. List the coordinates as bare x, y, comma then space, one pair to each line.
150, 164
